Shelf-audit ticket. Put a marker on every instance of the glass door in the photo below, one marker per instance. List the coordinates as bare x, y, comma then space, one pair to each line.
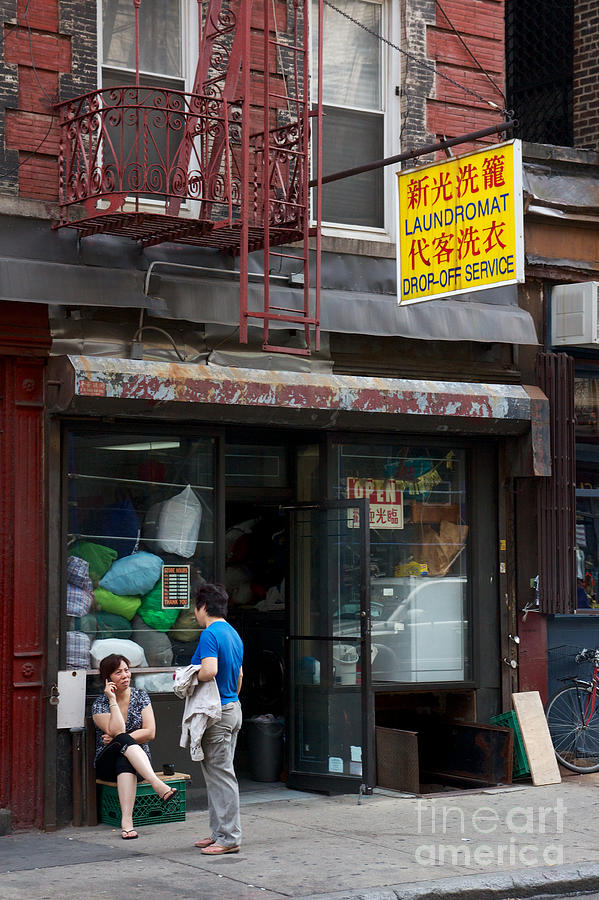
331, 720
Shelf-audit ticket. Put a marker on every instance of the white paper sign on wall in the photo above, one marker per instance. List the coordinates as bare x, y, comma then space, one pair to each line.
70, 712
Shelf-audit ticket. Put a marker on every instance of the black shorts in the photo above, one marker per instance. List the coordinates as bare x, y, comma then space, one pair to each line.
112, 760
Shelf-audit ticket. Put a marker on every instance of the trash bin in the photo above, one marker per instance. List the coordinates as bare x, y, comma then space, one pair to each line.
265, 747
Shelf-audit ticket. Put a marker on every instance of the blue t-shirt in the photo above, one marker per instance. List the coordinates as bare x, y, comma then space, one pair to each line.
222, 641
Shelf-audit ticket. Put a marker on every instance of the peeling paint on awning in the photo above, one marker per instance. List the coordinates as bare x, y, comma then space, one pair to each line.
523, 409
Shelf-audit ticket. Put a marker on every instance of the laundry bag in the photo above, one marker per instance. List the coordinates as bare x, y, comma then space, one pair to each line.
115, 603
133, 575
153, 614
77, 650
115, 526
179, 524
129, 649
79, 602
78, 573
186, 627
156, 644
98, 557
109, 625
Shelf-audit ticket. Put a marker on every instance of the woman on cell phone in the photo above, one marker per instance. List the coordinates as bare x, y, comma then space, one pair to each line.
125, 722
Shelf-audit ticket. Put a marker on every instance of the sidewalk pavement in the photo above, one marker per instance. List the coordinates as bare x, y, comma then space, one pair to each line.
513, 842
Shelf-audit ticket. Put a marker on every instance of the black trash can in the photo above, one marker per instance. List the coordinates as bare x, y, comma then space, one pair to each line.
265, 748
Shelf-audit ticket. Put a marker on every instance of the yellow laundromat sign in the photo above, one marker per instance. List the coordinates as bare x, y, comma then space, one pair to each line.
461, 224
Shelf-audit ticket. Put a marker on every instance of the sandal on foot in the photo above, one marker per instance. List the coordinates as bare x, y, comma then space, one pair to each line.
130, 835
205, 842
169, 795
217, 850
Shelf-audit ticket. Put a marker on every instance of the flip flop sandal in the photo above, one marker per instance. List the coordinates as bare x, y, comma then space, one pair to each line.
205, 842
169, 795
217, 850
130, 835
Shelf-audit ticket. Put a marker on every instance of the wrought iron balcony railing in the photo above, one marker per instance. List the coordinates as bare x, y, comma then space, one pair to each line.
161, 165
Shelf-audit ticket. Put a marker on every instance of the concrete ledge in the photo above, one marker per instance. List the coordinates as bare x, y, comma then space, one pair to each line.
497, 886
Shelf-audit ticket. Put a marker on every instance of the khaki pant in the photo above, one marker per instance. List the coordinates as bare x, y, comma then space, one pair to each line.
218, 744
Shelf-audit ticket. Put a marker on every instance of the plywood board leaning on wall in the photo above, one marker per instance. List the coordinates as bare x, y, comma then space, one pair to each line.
537, 740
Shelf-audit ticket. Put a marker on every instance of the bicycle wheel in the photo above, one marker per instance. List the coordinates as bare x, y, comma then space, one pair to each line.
576, 744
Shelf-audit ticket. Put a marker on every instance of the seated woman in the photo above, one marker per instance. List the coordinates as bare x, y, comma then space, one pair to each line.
124, 722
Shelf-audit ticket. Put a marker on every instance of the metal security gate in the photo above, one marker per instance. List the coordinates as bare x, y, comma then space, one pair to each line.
556, 501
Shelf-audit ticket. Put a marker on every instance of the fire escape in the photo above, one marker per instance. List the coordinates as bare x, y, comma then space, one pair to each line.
226, 166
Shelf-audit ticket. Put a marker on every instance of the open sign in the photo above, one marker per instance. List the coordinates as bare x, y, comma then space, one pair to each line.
386, 502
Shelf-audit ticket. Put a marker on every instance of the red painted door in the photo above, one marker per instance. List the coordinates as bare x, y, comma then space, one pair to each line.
22, 579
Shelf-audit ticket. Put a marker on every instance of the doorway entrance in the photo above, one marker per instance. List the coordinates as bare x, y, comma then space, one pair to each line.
297, 578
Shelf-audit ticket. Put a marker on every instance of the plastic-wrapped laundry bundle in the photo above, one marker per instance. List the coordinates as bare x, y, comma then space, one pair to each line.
179, 524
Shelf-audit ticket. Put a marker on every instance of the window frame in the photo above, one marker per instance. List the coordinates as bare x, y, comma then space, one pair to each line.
189, 59
125, 429
338, 440
390, 112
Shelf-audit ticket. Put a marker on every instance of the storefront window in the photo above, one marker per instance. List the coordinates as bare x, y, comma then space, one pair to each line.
418, 558
586, 410
140, 526
587, 526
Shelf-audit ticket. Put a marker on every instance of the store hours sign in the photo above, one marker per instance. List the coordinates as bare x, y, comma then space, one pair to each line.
175, 587
461, 225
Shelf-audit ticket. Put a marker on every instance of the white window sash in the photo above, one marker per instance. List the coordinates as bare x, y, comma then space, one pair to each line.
391, 78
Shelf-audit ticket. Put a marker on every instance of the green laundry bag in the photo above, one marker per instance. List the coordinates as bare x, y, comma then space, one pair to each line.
153, 614
111, 626
99, 558
108, 602
87, 624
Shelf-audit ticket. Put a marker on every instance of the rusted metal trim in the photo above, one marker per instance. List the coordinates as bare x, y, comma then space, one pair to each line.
166, 383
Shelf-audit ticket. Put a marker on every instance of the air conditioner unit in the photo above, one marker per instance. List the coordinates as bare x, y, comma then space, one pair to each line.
574, 315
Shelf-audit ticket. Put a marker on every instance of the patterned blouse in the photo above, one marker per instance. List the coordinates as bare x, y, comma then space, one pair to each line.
138, 701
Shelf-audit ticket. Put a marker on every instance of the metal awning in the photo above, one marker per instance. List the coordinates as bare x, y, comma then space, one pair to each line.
491, 316
97, 385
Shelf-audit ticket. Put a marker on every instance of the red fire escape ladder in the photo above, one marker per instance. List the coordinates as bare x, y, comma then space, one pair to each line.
283, 160
221, 24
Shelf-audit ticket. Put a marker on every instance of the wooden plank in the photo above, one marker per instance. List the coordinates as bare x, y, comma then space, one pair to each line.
537, 740
397, 760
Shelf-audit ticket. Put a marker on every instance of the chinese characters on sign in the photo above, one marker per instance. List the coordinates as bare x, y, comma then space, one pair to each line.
175, 587
461, 224
386, 502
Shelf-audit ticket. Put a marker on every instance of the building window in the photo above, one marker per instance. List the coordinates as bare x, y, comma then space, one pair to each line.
539, 46
143, 138
586, 410
160, 45
140, 533
418, 558
353, 107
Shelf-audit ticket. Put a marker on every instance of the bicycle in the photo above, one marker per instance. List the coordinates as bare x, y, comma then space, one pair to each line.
573, 718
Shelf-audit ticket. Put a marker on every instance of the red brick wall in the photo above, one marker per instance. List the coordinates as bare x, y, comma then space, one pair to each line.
56, 37
586, 74
480, 23
40, 55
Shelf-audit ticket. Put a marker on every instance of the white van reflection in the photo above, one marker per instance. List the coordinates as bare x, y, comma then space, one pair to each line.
419, 629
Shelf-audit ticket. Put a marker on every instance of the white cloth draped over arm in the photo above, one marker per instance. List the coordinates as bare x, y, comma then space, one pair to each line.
202, 708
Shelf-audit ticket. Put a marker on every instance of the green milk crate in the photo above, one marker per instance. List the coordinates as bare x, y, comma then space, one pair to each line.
509, 720
148, 809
